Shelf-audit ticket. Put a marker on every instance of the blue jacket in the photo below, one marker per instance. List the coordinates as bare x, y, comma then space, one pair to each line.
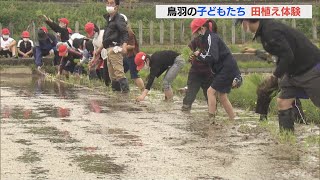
49, 43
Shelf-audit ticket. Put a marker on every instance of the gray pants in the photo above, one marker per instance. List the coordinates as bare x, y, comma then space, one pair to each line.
300, 86
172, 72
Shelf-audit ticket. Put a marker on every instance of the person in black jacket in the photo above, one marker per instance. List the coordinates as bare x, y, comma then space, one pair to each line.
298, 64
220, 59
115, 40
159, 62
46, 45
60, 28
269, 87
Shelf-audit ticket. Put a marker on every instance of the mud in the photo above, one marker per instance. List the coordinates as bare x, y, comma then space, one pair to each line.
52, 131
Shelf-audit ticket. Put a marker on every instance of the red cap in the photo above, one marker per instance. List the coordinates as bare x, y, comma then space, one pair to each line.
197, 23
44, 29
25, 34
140, 59
5, 31
64, 20
89, 28
69, 30
63, 49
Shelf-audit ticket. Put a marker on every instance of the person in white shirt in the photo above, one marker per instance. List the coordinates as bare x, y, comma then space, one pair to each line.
25, 45
7, 44
97, 64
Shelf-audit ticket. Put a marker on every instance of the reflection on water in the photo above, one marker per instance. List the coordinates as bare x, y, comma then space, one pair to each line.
17, 112
95, 106
35, 85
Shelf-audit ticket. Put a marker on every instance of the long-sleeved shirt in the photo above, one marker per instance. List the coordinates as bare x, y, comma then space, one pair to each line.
159, 62
49, 43
296, 53
64, 34
116, 32
199, 67
218, 55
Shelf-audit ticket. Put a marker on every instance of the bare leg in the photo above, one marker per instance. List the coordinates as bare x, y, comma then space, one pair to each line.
227, 105
139, 83
212, 102
168, 94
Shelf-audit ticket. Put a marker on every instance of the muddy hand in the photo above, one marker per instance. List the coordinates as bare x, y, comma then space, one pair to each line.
192, 57
248, 50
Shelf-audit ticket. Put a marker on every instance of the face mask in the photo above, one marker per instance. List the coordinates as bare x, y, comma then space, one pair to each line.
5, 36
25, 39
146, 66
62, 25
95, 35
110, 9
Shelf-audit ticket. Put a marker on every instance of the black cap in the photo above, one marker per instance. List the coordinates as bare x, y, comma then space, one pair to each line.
42, 35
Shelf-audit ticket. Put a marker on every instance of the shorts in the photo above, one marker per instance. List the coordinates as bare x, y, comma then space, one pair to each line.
128, 64
302, 85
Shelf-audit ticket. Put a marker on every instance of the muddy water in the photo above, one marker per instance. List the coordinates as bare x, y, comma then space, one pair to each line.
51, 131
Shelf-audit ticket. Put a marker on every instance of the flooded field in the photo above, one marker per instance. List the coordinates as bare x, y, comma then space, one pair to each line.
53, 131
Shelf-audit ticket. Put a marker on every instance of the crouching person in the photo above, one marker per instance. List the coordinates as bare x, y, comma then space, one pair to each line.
25, 45
46, 46
8, 44
67, 64
160, 62
85, 48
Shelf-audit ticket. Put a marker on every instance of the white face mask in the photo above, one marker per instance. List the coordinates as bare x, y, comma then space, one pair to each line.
146, 66
110, 9
25, 39
5, 36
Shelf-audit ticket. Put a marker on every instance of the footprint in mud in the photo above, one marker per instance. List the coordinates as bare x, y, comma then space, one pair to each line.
29, 156
123, 138
24, 142
98, 164
52, 134
39, 173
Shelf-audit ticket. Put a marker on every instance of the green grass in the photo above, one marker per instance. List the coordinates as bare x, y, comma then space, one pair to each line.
254, 64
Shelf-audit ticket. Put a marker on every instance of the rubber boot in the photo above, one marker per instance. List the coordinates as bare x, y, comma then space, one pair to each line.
124, 85
263, 117
115, 86
286, 120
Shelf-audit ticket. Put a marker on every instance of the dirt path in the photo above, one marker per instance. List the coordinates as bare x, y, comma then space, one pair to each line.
49, 131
